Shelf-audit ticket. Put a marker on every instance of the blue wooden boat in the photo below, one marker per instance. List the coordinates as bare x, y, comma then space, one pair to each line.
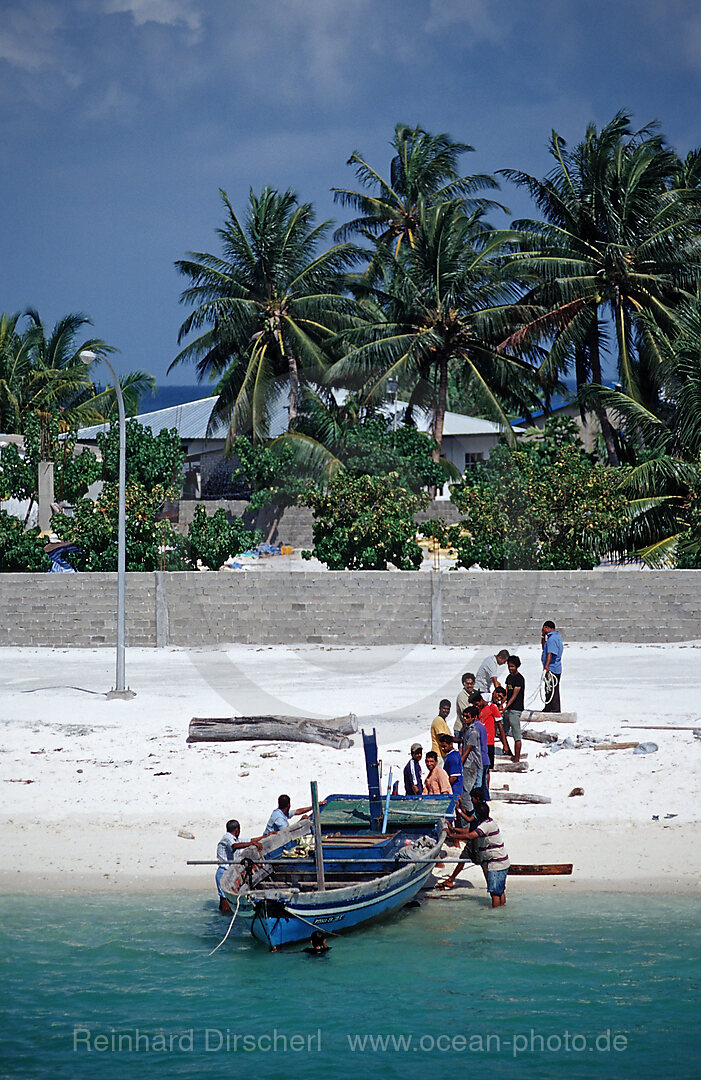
367, 873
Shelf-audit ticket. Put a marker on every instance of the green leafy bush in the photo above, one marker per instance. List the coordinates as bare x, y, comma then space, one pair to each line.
151, 460
20, 551
73, 474
373, 448
364, 523
213, 538
545, 505
271, 473
151, 543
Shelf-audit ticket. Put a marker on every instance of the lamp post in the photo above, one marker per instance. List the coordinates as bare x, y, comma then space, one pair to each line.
120, 691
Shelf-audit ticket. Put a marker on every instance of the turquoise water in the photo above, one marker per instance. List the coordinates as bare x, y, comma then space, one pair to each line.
524, 992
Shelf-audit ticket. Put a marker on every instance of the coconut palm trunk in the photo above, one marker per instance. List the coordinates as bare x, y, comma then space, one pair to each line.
599, 410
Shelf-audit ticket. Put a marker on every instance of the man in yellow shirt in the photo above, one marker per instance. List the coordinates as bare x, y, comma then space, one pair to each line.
440, 727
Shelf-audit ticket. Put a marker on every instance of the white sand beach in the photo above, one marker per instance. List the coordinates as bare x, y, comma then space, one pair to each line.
93, 793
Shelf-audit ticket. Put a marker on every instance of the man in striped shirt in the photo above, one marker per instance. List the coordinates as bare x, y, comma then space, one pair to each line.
490, 852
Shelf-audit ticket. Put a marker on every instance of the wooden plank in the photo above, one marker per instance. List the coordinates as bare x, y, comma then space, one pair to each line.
529, 715
518, 797
531, 869
265, 729
662, 727
614, 746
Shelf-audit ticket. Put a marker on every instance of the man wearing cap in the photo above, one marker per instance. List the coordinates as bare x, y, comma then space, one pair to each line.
413, 783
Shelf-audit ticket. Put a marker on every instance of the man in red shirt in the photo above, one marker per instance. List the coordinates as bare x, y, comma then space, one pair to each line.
490, 716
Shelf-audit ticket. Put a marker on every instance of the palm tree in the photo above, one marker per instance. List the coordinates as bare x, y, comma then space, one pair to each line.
266, 307
423, 174
41, 372
619, 240
444, 304
665, 445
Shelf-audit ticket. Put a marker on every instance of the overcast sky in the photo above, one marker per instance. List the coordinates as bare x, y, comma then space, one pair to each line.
121, 119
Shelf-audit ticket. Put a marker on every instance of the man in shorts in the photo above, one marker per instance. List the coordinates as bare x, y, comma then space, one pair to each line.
484, 845
515, 694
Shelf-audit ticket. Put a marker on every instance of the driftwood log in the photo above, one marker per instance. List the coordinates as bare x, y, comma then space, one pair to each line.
529, 715
528, 869
517, 797
510, 766
615, 746
540, 736
273, 729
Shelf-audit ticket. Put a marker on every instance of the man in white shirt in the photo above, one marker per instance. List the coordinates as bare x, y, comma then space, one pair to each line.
226, 847
487, 677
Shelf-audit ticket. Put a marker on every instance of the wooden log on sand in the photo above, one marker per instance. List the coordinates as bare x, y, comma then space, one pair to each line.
615, 746
529, 716
662, 727
518, 797
510, 766
531, 869
268, 729
540, 736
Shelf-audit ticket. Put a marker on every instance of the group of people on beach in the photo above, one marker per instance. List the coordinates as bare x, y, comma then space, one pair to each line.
459, 763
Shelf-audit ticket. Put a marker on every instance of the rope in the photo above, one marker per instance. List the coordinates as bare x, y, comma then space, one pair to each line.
545, 689
294, 915
233, 919
37, 689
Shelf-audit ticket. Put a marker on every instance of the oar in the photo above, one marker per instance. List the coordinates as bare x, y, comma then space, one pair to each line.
389, 793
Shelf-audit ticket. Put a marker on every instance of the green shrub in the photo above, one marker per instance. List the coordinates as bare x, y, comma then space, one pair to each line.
213, 538
20, 551
364, 523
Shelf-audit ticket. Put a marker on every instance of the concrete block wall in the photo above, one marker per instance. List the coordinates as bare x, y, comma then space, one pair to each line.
74, 609
350, 608
298, 608
611, 605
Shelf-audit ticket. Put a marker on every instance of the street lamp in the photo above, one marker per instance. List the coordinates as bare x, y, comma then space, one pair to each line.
120, 691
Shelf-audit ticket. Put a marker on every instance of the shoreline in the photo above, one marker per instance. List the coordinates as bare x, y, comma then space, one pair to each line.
94, 793
148, 858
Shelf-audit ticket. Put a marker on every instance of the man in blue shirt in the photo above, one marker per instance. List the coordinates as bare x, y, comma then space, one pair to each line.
452, 763
280, 817
552, 665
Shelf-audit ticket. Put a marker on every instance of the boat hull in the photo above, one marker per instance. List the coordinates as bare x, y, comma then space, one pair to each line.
285, 920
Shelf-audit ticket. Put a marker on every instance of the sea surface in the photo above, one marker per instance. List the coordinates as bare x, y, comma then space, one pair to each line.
552, 985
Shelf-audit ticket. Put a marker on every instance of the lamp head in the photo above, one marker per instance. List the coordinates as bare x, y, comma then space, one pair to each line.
88, 356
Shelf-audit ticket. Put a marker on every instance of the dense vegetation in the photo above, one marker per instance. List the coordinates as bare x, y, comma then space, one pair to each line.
421, 295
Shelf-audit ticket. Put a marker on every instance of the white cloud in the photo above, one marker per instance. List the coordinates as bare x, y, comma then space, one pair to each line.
28, 34
165, 12
484, 19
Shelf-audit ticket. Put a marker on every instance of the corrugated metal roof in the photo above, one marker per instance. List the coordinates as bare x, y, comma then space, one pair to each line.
191, 420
